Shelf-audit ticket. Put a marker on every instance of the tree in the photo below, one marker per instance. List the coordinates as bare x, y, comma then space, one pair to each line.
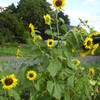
32, 11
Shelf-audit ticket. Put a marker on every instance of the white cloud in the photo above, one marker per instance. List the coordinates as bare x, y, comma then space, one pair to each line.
94, 20
8, 2
93, 2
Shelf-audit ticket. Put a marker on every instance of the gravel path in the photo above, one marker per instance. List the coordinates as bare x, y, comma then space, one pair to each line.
88, 59
7, 57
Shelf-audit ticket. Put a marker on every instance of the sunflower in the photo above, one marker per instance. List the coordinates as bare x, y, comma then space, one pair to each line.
9, 81
31, 28
94, 34
47, 19
75, 29
37, 37
91, 72
77, 62
17, 54
94, 48
50, 43
31, 75
82, 31
73, 50
88, 43
58, 4
84, 53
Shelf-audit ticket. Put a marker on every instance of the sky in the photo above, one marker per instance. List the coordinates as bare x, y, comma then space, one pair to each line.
84, 9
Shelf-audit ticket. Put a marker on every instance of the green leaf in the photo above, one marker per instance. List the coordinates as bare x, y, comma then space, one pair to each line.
48, 32
50, 87
32, 96
57, 52
34, 35
3, 98
61, 20
54, 67
71, 39
58, 90
64, 27
70, 81
14, 94
37, 86
67, 96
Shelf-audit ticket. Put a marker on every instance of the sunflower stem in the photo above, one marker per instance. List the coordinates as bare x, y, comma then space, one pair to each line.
57, 25
51, 31
9, 96
5, 94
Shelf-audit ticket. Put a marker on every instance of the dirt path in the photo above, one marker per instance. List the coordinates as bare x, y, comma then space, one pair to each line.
7, 57
88, 59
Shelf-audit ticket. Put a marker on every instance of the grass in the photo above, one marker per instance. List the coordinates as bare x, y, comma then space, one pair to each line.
10, 50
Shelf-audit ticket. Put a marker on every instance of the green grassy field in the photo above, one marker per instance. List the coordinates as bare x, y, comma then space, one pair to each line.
11, 50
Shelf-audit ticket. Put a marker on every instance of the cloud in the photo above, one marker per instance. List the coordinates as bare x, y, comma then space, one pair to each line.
93, 2
94, 20
8, 2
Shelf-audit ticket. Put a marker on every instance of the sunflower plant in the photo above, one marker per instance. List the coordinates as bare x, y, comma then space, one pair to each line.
54, 73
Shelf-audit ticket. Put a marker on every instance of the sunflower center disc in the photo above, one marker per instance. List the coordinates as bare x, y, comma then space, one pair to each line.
89, 43
50, 43
8, 81
30, 30
58, 3
31, 75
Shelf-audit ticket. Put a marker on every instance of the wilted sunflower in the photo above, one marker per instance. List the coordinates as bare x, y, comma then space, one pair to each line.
94, 48
88, 43
58, 4
91, 72
47, 19
9, 81
37, 37
31, 75
31, 28
50, 43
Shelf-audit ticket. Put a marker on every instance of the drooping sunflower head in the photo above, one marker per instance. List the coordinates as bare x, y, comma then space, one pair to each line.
84, 53
94, 48
9, 81
31, 28
18, 53
31, 75
37, 37
88, 43
47, 19
73, 50
91, 72
50, 43
58, 4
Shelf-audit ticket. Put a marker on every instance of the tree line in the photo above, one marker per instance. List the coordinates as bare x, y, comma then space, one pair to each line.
14, 20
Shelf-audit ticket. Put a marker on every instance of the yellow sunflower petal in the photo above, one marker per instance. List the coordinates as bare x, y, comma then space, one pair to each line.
94, 48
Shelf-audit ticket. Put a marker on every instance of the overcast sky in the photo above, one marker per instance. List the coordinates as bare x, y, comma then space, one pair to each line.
84, 9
